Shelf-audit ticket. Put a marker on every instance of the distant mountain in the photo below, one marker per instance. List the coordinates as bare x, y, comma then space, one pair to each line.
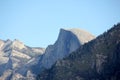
13, 55
68, 41
98, 59
18, 61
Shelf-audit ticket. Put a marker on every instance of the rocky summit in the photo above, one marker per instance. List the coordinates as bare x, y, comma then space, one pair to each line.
98, 59
13, 55
68, 41
25, 63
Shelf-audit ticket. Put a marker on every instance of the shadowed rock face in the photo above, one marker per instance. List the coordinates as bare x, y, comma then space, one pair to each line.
97, 60
68, 41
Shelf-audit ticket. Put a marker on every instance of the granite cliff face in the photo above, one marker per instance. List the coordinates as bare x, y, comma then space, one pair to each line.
67, 42
98, 59
13, 55
23, 62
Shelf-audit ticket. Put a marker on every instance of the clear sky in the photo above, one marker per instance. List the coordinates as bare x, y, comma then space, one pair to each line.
37, 22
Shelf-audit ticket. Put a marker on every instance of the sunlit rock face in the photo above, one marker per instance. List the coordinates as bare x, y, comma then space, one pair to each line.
13, 55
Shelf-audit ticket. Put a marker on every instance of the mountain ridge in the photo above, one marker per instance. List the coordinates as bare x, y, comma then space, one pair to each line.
95, 60
24, 62
67, 42
15, 54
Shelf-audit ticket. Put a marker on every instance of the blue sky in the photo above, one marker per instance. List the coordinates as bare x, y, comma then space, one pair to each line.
37, 22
